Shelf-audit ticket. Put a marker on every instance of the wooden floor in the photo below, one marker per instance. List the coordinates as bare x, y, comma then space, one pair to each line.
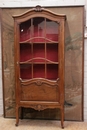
9, 124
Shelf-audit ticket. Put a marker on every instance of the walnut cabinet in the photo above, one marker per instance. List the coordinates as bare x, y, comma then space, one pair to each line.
39, 60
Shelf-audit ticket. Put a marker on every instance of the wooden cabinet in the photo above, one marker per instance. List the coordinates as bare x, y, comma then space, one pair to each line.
39, 60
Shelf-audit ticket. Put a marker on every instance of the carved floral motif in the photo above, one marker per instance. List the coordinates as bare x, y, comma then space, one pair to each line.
39, 107
38, 8
38, 82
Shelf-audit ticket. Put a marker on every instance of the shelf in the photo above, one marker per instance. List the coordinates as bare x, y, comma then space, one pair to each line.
31, 63
41, 40
41, 62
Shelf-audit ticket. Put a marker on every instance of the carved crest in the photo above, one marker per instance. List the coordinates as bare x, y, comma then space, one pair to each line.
38, 82
38, 8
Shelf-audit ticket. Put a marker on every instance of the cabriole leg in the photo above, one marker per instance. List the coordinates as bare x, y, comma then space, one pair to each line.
62, 118
17, 116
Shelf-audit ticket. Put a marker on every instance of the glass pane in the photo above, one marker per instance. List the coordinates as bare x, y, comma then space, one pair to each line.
52, 71
26, 71
25, 52
51, 30
25, 30
52, 52
39, 52
38, 29
39, 71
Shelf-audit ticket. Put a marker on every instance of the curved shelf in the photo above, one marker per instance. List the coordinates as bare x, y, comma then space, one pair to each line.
39, 38
39, 58
56, 63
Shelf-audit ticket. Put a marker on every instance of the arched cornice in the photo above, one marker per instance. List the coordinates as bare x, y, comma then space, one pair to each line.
38, 11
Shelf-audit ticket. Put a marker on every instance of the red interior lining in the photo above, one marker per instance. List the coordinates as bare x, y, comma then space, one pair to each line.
25, 52
26, 72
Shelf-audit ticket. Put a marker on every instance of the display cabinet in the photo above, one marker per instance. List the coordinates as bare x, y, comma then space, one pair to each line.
39, 60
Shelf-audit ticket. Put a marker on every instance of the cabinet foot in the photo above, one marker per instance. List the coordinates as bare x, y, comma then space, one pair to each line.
16, 124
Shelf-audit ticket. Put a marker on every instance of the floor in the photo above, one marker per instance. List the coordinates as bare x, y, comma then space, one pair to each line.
9, 124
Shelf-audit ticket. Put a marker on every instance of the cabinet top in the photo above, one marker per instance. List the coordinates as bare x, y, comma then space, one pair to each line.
38, 11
